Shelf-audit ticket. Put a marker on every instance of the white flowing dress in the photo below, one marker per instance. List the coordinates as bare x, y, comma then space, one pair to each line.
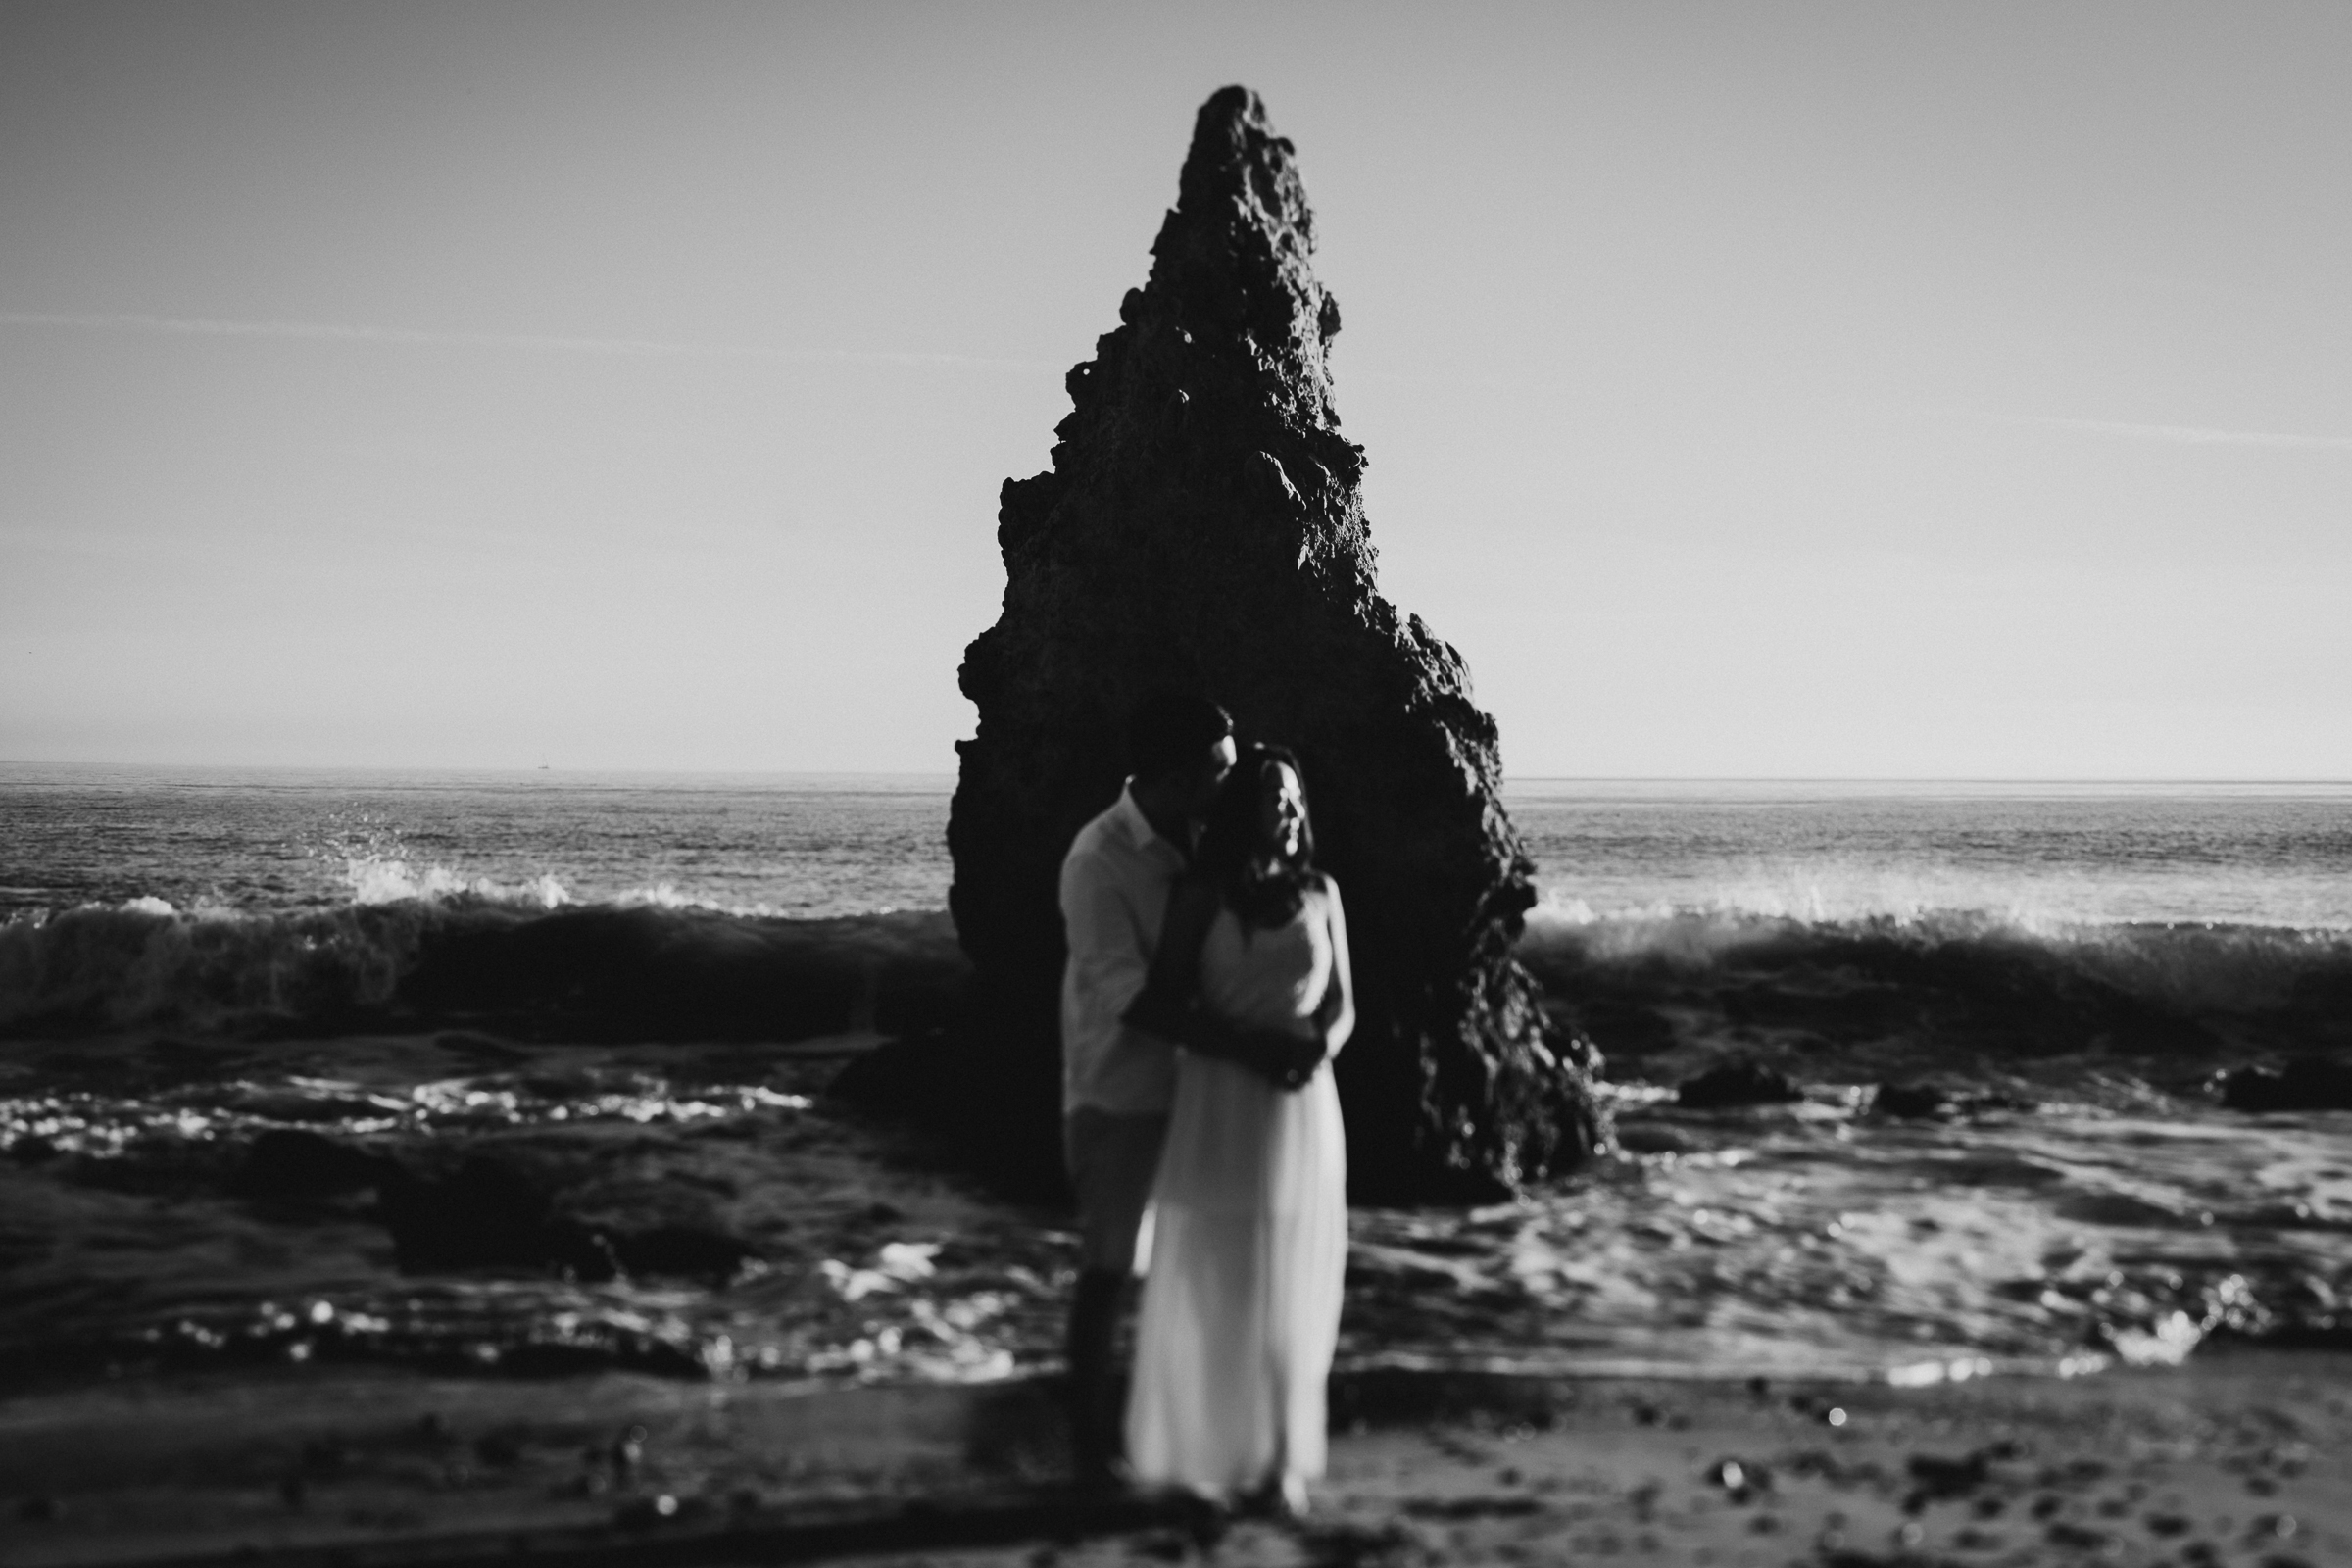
1250, 1235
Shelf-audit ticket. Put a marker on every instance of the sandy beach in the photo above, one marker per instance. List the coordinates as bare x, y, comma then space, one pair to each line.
2239, 1459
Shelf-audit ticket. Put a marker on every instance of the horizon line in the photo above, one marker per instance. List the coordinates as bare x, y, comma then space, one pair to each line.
950, 774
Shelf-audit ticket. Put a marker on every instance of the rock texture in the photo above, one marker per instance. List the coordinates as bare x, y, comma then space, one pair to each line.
1738, 1083
1203, 526
487, 1211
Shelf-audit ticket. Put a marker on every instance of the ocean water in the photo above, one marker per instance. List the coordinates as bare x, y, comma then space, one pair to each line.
284, 842
256, 1029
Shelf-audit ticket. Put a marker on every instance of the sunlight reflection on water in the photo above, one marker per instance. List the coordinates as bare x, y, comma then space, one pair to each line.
1807, 1238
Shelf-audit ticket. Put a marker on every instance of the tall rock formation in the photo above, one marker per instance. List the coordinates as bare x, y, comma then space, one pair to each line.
1203, 526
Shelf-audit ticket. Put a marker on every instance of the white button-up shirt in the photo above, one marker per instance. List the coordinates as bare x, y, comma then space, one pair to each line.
1114, 895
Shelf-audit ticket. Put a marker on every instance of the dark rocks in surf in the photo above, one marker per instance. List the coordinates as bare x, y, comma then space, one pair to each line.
1910, 1101
488, 1212
1650, 1137
2306, 1082
1737, 1083
289, 1164
1937, 1478
1203, 526
690, 1252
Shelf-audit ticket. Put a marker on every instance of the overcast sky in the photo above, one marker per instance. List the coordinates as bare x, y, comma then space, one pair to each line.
1754, 390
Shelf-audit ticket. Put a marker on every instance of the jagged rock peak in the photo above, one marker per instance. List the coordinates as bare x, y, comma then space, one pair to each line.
1240, 171
1233, 255
1216, 384
1236, 155
1203, 526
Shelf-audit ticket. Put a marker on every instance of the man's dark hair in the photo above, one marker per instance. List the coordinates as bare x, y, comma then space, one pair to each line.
1171, 730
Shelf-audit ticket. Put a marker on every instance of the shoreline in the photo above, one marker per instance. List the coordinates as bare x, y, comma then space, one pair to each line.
362, 1467
1812, 1240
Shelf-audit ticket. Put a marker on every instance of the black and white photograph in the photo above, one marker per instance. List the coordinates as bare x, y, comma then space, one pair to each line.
735, 829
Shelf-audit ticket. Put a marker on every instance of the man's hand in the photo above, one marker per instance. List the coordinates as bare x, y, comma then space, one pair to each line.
1286, 1060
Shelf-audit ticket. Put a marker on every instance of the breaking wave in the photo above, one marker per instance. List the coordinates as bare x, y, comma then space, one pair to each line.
661, 967
1996, 982
414, 947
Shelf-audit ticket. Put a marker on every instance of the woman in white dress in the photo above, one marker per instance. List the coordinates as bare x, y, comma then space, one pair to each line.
1250, 1212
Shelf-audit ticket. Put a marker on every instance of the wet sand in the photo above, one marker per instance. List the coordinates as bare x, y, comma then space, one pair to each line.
2239, 1458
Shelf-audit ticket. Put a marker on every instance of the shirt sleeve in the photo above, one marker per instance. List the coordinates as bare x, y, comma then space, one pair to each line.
1105, 937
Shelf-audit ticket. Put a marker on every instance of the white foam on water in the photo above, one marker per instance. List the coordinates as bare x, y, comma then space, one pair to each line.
1855, 894
670, 895
379, 879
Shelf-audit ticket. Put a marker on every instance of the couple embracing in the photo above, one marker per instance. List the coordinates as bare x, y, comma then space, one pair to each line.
1206, 992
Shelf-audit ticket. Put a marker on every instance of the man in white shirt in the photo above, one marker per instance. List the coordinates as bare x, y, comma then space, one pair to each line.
1117, 1080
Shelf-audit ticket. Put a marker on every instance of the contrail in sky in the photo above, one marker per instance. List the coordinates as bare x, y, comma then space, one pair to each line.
333, 332
2194, 435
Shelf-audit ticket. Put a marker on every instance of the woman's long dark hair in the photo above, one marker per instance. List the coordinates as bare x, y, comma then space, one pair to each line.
1234, 844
